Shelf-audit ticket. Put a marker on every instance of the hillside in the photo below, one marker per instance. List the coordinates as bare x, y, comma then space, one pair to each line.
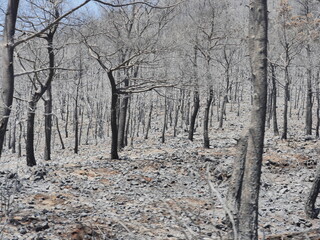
156, 191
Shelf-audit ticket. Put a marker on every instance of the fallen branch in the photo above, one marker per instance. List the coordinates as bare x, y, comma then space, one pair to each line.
224, 206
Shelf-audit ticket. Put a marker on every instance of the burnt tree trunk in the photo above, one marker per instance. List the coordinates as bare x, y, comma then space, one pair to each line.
31, 161
196, 105
310, 209
48, 124
114, 126
309, 94
243, 194
126, 134
76, 116
206, 140
7, 79
20, 139
67, 117
122, 120
37, 95
285, 111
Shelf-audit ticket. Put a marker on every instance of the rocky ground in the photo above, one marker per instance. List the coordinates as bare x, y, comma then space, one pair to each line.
157, 191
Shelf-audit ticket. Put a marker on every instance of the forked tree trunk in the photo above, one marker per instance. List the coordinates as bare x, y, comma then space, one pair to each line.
37, 95
243, 194
206, 140
7, 79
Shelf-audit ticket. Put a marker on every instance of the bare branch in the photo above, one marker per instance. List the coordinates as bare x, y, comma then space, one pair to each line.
143, 87
135, 3
43, 69
50, 25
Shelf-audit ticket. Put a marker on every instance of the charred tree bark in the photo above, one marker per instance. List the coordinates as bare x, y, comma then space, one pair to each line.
243, 195
286, 90
114, 127
40, 92
309, 94
122, 120
31, 161
7, 80
76, 115
20, 140
48, 124
196, 105
310, 209
9, 133
14, 139
206, 140
196, 98
285, 111
67, 118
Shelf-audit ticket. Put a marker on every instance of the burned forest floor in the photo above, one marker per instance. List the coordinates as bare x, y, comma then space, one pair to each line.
156, 191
